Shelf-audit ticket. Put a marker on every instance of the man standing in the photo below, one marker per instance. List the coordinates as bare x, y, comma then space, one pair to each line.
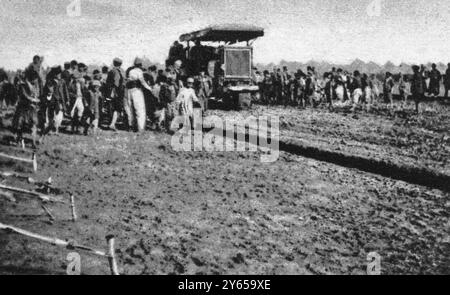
136, 95
279, 85
357, 89
166, 99
299, 88
76, 95
329, 85
417, 86
198, 57
60, 101
26, 110
285, 78
310, 87
435, 79
402, 89
447, 80
387, 89
115, 84
205, 89
340, 84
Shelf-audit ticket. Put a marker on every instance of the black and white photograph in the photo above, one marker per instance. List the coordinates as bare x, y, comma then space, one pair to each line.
224, 138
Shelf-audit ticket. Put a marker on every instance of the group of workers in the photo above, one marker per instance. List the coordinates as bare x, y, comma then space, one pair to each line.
302, 89
143, 97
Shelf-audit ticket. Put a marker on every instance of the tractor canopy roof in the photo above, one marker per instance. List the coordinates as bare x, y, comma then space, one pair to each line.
226, 32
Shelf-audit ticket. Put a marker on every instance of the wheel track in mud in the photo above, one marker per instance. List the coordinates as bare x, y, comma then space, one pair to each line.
410, 174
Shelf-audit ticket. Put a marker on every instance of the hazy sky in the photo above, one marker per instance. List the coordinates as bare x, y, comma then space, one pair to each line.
296, 30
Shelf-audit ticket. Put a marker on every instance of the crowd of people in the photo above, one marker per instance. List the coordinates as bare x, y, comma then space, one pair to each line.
150, 97
302, 89
140, 97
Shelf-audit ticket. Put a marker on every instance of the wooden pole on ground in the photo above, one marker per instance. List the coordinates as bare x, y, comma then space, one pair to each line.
18, 175
33, 159
70, 245
23, 191
53, 241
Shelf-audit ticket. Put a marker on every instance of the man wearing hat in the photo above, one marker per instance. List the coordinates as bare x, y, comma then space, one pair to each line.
115, 85
136, 95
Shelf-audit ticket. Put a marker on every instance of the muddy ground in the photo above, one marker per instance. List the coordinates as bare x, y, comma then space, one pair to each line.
227, 213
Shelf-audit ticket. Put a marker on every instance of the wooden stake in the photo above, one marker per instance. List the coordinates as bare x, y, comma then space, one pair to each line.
43, 197
53, 241
72, 205
34, 159
111, 255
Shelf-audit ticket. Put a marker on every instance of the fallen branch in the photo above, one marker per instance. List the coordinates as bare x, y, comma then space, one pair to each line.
33, 160
43, 197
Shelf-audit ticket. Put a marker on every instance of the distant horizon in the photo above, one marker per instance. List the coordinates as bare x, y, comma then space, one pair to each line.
356, 59
265, 64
